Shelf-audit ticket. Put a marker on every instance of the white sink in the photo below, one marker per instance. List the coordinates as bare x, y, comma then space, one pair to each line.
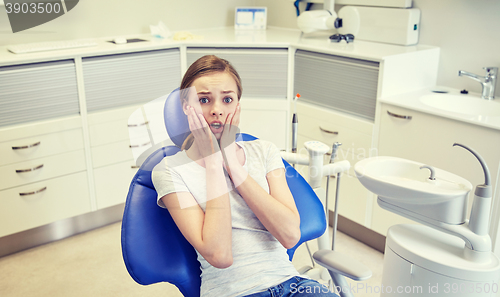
465, 104
403, 187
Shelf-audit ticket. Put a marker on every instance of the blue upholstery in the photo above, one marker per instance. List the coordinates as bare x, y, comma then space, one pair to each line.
153, 248
175, 120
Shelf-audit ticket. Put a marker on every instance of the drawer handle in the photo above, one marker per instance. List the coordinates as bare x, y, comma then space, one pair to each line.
138, 125
328, 131
139, 145
135, 166
404, 117
25, 146
33, 193
29, 169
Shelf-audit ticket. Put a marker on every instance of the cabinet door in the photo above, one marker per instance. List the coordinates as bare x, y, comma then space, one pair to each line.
344, 84
429, 139
126, 79
38, 91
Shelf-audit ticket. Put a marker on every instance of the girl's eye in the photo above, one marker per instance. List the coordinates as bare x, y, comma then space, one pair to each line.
203, 100
228, 100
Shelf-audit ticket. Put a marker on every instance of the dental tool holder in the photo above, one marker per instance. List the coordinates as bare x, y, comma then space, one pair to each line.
338, 265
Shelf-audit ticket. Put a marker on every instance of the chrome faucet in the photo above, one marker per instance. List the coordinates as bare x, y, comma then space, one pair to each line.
488, 82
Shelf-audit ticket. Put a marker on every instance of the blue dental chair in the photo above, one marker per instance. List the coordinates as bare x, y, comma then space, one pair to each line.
154, 250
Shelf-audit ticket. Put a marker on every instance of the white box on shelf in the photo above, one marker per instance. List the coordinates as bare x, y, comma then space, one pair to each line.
250, 18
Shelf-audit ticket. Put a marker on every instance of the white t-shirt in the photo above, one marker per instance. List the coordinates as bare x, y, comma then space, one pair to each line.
259, 259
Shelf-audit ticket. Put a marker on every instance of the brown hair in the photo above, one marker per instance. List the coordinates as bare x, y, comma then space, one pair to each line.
206, 65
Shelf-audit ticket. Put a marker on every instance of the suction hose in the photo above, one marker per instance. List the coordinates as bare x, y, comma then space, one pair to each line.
480, 213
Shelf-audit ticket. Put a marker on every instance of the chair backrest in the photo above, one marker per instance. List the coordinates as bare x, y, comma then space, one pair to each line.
154, 250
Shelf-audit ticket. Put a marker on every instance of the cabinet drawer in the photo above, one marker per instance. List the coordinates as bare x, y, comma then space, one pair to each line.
112, 183
108, 132
114, 126
30, 148
330, 127
111, 154
41, 169
63, 197
328, 132
40, 128
338, 118
117, 114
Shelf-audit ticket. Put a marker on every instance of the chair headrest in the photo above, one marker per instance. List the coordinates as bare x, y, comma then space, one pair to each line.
176, 121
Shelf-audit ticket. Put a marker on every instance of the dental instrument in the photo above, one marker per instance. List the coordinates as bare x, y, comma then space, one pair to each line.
295, 123
335, 147
338, 266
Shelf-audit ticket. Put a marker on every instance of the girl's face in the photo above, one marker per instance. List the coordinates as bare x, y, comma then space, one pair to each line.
214, 96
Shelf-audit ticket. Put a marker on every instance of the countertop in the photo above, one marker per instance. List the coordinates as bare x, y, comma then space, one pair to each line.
225, 37
412, 101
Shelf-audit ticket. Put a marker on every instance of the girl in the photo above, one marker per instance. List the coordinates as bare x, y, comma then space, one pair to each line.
230, 199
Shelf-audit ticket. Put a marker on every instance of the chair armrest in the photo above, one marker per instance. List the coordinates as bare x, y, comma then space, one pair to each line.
342, 264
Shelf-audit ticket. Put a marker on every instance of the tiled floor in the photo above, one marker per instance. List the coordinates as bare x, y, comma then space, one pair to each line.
90, 264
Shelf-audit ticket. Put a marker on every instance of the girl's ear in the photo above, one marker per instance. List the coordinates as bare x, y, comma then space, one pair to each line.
185, 107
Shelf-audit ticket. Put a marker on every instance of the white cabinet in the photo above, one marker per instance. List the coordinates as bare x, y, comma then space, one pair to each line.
329, 126
340, 96
44, 176
429, 139
115, 86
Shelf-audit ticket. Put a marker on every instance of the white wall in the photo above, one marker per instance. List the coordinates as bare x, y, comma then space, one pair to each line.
467, 31
100, 18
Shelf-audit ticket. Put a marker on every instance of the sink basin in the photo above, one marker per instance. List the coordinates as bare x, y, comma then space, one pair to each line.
406, 189
465, 104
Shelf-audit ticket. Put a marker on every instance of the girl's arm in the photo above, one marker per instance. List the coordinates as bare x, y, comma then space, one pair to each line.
208, 232
276, 210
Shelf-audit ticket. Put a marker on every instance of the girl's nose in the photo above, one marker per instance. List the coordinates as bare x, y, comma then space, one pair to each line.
216, 110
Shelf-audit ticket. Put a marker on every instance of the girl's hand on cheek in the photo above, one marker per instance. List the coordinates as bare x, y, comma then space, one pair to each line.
230, 128
227, 141
205, 140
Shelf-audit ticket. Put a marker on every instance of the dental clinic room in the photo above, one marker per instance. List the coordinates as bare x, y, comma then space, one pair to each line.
250, 148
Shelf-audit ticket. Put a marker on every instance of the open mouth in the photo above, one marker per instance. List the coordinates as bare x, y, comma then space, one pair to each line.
216, 125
